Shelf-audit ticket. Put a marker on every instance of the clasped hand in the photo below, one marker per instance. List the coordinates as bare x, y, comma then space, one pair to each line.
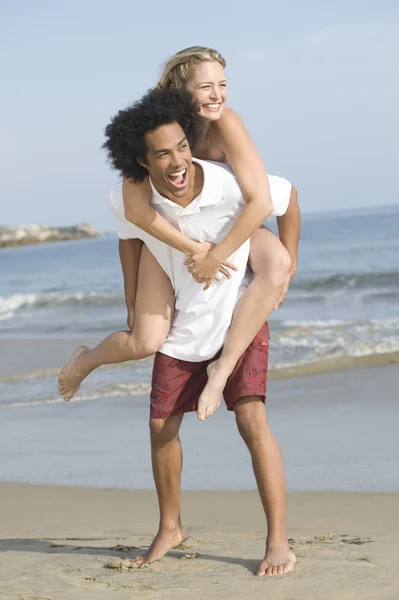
204, 266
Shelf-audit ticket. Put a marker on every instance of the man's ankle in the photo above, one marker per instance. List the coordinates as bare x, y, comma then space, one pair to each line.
277, 540
169, 527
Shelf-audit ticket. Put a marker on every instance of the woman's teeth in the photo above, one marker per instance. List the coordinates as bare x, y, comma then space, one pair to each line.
212, 106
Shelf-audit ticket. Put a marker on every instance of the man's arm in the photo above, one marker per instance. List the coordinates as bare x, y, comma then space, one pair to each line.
129, 254
289, 229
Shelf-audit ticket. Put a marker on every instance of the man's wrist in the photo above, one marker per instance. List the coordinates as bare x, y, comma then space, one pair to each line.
129, 304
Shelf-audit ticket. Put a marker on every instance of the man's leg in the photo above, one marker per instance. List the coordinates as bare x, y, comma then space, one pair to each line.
269, 473
167, 464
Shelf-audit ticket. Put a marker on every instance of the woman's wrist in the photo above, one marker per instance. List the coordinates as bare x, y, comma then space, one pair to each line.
193, 248
217, 255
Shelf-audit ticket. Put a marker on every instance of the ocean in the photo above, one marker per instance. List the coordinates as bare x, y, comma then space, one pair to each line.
343, 302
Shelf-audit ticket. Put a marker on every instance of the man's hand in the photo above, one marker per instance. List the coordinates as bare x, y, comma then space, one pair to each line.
204, 266
130, 318
285, 289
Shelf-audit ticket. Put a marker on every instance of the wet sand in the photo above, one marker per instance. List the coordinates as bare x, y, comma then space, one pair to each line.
57, 542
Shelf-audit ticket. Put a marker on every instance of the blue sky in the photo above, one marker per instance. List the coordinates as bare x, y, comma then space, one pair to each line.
316, 84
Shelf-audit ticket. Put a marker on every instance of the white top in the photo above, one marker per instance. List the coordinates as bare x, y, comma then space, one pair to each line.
201, 318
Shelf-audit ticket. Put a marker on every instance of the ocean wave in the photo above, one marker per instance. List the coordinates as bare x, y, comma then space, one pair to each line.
317, 323
388, 281
374, 284
11, 304
309, 341
319, 326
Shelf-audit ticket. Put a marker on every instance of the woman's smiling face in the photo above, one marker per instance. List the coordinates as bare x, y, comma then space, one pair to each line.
208, 86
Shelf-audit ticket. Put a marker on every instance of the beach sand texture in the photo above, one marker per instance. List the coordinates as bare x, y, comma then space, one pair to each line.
74, 543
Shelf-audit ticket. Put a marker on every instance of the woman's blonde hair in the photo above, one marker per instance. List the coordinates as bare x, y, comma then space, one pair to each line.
177, 70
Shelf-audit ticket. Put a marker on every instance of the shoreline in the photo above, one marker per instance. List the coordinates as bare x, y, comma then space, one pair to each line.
80, 541
332, 365
45, 356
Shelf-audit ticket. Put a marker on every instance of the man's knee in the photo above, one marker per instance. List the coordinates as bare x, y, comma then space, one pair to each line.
163, 431
251, 420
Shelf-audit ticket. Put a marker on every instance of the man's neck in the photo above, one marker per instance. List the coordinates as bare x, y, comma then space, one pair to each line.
196, 183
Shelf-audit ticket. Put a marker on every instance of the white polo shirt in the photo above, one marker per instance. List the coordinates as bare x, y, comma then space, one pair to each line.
201, 317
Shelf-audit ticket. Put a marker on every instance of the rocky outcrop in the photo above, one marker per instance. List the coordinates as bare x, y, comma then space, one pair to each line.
38, 234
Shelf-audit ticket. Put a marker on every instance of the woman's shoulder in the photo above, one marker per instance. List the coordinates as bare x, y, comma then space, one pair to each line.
230, 132
228, 119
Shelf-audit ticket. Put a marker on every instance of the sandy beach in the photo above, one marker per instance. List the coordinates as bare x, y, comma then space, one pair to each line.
69, 543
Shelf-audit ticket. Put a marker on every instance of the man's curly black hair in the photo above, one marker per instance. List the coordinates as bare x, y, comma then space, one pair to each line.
125, 133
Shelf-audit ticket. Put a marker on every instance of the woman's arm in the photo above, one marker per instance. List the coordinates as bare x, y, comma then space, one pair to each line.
241, 154
138, 210
248, 167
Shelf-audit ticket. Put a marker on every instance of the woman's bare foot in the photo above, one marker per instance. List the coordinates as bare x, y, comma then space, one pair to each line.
211, 395
71, 377
277, 561
162, 543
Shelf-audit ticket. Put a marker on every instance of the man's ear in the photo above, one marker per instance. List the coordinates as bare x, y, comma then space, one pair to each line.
142, 163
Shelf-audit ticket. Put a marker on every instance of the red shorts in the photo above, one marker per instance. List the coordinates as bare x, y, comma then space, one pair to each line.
177, 384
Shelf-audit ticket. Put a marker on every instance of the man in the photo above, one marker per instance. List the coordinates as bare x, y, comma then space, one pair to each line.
211, 200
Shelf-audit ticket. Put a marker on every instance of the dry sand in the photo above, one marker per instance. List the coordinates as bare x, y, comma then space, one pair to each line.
57, 542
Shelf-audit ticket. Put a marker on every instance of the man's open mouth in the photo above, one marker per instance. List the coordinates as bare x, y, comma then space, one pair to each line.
178, 178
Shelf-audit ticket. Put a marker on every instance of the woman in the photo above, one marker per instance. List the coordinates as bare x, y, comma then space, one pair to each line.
201, 72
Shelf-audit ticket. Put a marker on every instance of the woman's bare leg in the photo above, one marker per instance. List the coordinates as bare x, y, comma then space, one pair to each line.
271, 263
153, 316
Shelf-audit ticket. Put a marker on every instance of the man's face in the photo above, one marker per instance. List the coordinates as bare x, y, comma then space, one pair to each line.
169, 160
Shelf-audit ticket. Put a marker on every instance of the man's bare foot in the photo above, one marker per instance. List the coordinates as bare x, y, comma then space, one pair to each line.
277, 561
162, 543
211, 395
70, 377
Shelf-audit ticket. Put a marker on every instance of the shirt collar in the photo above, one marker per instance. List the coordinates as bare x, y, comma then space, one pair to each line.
210, 193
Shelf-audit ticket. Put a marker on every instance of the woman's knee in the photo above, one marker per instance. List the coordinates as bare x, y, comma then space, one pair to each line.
142, 346
270, 260
151, 344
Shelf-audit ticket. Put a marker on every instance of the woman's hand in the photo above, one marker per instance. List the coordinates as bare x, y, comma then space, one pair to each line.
204, 266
